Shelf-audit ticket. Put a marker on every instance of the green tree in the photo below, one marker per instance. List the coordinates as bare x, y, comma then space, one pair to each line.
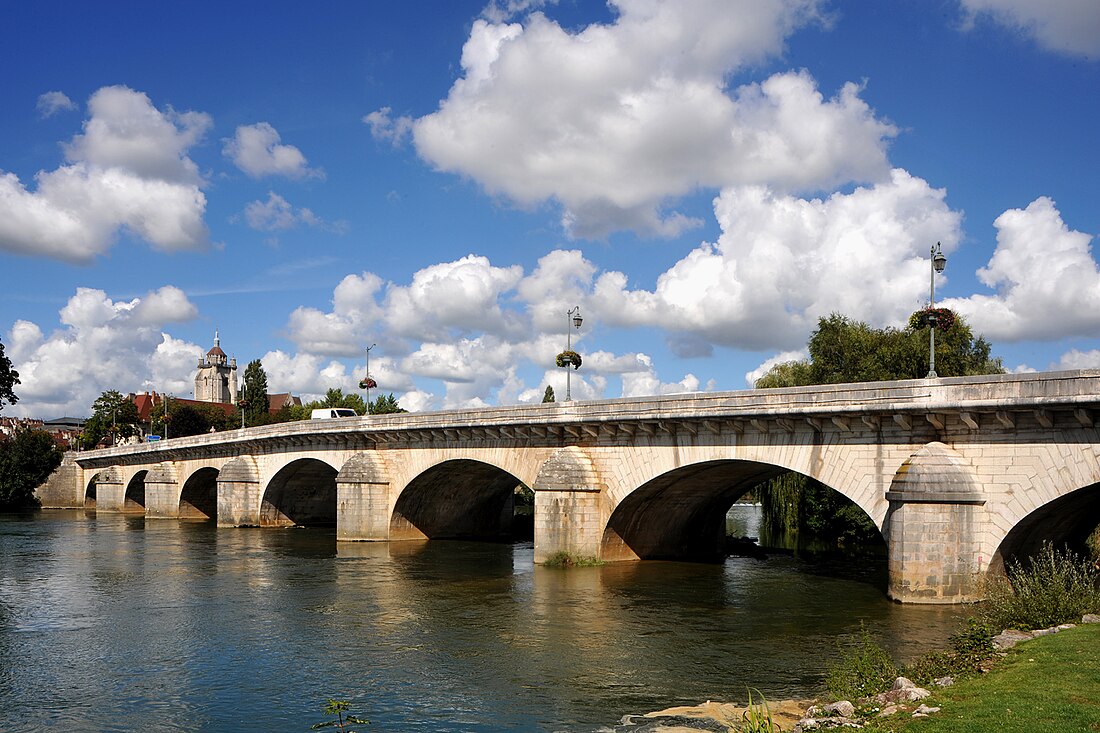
385, 404
26, 460
113, 416
336, 398
843, 350
548, 395
8, 379
255, 394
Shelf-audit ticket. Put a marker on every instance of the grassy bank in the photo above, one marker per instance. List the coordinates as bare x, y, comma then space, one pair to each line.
1049, 684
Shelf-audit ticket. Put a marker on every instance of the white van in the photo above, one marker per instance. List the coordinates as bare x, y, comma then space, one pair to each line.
327, 413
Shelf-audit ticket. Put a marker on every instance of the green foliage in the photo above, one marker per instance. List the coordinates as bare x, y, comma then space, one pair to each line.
569, 358
8, 379
113, 417
1056, 586
864, 668
563, 559
842, 350
794, 504
339, 708
970, 653
26, 460
385, 405
757, 718
548, 395
254, 394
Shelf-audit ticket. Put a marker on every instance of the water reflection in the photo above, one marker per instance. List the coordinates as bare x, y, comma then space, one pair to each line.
115, 624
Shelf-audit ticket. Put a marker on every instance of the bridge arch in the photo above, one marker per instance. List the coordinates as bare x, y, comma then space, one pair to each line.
199, 495
90, 492
1065, 521
134, 499
302, 493
456, 498
681, 513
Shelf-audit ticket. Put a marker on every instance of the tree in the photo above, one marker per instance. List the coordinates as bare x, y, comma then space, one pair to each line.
842, 350
336, 398
8, 379
548, 395
26, 460
255, 393
385, 405
113, 416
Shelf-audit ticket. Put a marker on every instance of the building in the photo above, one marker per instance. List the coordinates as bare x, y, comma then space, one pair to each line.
216, 380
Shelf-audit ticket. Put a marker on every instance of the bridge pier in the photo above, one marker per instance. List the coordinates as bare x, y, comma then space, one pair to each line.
569, 506
239, 494
932, 528
162, 493
363, 499
110, 492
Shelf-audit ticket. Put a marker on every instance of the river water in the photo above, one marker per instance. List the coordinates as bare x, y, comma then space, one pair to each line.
115, 623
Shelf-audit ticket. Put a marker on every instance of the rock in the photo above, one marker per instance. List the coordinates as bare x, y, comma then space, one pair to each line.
843, 708
1010, 638
825, 723
903, 691
925, 710
944, 682
1091, 618
888, 711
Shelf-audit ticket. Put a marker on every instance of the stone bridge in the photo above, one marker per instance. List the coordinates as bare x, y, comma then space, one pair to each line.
958, 474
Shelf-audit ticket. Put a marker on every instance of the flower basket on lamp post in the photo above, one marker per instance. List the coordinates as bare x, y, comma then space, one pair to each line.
940, 318
569, 358
367, 383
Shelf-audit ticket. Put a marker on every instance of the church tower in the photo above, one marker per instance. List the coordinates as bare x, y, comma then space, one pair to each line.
217, 377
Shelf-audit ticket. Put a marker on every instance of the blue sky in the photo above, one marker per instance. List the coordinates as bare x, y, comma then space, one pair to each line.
704, 179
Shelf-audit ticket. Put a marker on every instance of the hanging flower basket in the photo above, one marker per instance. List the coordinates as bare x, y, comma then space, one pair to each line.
367, 383
944, 318
567, 358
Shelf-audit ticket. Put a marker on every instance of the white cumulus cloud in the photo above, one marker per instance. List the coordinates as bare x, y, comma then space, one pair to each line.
51, 103
258, 151
1046, 280
1067, 26
276, 213
103, 344
128, 170
616, 121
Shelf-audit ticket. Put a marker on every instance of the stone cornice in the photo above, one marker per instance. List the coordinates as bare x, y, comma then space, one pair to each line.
1054, 400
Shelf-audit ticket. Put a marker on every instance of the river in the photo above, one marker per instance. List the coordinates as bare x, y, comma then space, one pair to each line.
116, 623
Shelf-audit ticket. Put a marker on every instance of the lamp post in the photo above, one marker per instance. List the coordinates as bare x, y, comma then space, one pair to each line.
167, 397
573, 316
368, 376
937, 262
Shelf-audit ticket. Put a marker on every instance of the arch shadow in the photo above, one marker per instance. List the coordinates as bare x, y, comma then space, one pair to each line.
457, 499
681, 514
90, 493
1066, 521
301, 494
199, 498
134, 502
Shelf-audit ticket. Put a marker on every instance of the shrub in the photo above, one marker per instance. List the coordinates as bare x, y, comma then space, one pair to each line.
863, 669
1053, 587
563, 559
970, 650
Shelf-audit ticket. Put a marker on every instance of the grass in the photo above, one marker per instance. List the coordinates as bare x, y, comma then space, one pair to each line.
564, 559
1049, 684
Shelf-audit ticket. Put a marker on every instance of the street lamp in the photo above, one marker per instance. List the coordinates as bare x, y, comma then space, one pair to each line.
167, 398
937, 262
573, 315
368, 376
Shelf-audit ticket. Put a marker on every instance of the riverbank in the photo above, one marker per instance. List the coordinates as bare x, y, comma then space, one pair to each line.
1049, 683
